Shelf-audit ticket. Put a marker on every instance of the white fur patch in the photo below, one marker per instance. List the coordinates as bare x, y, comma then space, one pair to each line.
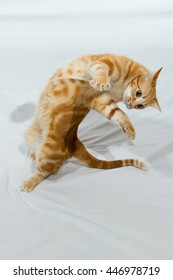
117, 117
107, 111
127, 91
105, 98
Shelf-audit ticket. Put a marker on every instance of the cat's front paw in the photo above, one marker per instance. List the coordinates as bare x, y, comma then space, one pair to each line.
101, 84
128, 130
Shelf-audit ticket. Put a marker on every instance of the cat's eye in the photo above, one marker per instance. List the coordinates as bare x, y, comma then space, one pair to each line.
139, 93
140, 106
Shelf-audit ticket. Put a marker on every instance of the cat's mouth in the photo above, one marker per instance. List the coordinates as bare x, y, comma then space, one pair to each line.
129, 106
127, 103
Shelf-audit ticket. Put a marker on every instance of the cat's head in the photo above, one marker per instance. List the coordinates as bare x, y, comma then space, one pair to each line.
140, 92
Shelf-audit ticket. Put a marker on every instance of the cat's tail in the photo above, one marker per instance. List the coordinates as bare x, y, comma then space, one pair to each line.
84, 156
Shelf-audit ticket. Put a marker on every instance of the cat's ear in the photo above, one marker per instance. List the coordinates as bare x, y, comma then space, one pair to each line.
147, 77
155, 104
156, 75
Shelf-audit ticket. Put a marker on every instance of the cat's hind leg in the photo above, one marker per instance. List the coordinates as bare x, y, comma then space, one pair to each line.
32, 137
45, 168
50, 157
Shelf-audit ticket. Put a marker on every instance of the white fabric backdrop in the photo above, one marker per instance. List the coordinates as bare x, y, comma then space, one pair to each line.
83, 213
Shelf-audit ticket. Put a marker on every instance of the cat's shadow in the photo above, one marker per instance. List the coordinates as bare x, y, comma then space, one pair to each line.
23, 113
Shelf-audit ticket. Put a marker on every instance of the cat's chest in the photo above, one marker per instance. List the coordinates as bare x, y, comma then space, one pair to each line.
117, 91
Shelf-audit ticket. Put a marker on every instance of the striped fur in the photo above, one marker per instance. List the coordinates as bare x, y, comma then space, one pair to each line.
96, 82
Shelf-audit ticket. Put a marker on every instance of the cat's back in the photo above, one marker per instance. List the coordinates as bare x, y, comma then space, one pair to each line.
78, 67
65, 82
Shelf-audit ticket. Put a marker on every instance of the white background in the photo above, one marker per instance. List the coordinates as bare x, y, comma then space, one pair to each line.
83, 213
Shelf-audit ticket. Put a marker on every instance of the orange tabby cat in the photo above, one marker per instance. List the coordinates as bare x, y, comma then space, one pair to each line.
96, 82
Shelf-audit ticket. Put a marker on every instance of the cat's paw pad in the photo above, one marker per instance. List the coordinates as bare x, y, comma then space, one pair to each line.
101, 84
129, 130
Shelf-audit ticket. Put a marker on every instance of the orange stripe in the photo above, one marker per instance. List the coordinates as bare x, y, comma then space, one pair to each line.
51, 146
111, 101
129, 70
109, 63
48, 167
112, 112
52, 137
